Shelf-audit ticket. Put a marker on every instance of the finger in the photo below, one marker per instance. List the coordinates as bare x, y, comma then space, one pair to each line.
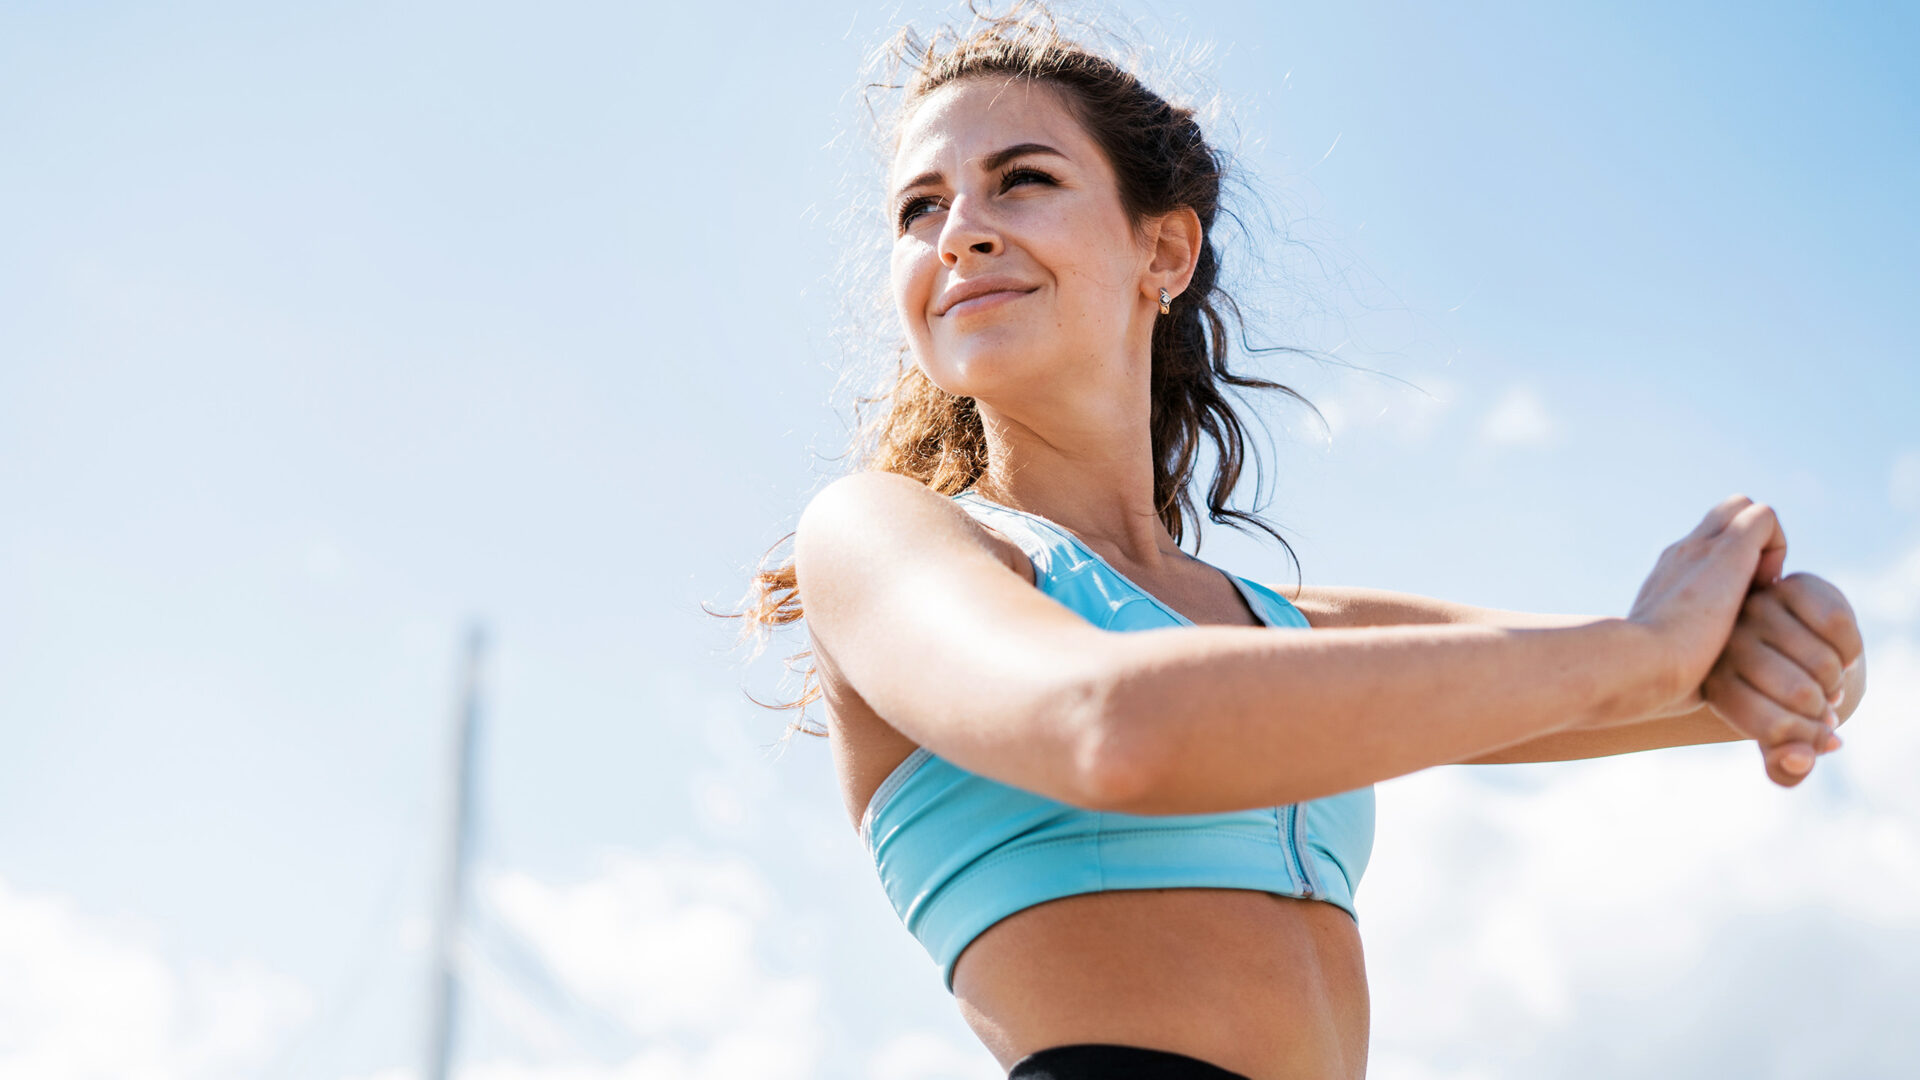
1717, 518
1825, 742
1788, 765
1795, 759
1754, 714
1782, 657
1759, 519
1824, 610
1773, 557
1769, 613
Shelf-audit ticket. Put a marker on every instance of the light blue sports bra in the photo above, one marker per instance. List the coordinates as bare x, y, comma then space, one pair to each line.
958, 852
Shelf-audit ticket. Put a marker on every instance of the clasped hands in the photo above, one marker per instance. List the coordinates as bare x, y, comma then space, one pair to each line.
1783, 673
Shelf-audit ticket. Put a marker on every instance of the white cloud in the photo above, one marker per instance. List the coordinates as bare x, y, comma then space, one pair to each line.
1669, 913
81, 998
928, 1055
1519, 418
664, 946
665, 943
1412, 413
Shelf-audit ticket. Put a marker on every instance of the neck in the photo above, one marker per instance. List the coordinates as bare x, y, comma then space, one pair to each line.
1094, 479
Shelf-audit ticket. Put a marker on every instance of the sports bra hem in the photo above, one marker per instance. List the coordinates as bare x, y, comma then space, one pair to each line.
884, 793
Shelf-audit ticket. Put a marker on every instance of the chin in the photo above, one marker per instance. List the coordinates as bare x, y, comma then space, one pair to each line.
985, 363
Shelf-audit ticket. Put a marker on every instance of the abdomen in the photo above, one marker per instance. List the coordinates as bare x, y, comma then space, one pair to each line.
1264, 985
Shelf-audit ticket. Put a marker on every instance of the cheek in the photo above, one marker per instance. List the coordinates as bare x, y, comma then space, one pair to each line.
1094, 256
911, 282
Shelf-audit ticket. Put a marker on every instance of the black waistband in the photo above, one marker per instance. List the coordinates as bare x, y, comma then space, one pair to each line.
1111, 1061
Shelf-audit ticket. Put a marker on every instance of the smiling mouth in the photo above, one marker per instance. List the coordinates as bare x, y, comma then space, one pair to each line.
986, 301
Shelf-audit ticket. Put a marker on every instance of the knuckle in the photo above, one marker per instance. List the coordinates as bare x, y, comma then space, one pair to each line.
1808, 699
1786, 729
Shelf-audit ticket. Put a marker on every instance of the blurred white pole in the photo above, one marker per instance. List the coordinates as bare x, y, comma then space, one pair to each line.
445, 988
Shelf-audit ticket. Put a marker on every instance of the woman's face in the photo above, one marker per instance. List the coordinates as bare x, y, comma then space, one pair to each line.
1014, 265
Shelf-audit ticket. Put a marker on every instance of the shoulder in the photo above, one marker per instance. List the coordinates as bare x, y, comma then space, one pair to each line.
869, 488
867, 515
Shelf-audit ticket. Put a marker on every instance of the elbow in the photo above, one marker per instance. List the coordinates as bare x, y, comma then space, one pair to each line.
1114, 760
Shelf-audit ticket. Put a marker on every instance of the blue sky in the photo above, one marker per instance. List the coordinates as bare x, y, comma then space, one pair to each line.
326, 328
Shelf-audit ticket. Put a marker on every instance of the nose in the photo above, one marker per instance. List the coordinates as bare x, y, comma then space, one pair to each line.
967, 230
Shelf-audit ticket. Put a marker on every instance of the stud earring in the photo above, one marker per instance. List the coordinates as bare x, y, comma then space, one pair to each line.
1166, 303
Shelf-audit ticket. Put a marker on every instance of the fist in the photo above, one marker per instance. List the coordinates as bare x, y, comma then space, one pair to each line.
1784, 669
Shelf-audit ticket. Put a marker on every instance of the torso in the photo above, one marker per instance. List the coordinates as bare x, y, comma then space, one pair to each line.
1265, 985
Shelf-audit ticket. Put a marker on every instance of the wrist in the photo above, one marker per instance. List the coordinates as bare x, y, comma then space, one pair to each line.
1640, 681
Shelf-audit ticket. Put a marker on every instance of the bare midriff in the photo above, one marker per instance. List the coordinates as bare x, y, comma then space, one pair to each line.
1269, 986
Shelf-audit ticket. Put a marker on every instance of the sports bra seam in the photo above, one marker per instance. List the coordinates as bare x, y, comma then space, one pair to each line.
901, 773
995, 858
1303, 837
890, 787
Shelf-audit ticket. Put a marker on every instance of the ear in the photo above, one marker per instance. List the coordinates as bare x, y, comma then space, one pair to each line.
1174, 251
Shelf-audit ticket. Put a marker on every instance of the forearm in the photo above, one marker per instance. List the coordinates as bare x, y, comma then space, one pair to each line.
1209, 719
1702, 725
1693, 728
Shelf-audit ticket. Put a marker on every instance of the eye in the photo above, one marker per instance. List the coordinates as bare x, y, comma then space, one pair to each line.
1024, 175
911, 208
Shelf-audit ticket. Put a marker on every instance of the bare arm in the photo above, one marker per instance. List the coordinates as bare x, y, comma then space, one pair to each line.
954, 649
1211, 718
1693, 728
947, 643
1331, 606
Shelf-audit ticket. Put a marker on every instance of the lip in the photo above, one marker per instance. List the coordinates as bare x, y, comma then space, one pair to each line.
981, 294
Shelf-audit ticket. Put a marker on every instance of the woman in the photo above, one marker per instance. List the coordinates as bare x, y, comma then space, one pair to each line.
1126, 819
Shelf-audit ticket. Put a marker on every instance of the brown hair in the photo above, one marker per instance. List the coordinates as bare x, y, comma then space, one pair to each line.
1162, 161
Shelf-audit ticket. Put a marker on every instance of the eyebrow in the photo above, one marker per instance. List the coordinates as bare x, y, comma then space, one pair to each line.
989, 163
